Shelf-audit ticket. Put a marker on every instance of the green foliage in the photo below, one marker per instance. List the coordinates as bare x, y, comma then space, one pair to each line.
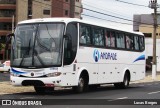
2, 46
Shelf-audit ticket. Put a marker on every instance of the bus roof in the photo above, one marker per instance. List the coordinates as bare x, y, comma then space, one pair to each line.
67, 20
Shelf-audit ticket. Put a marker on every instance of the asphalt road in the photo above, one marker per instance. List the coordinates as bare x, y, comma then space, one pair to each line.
105, 94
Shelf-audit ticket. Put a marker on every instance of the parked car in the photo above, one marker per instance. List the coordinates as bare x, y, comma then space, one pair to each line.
5, 66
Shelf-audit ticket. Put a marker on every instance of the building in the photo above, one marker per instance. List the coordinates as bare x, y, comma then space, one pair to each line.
7, 10
13, 11
144, 23
47, 8
67, 8
32, 9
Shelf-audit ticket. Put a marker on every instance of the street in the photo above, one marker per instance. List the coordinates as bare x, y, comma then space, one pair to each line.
144, 91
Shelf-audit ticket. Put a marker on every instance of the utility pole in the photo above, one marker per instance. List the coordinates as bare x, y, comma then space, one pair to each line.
153, 5
13, 24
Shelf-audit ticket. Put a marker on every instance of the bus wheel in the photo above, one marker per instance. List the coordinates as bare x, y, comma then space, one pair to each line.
82, 85
125, 83
39, 90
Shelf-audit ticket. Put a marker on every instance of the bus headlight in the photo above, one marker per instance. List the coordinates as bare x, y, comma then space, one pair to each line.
55, 74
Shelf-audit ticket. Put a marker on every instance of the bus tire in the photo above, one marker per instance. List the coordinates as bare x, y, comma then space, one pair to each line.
39, 90
82, 85
124, 84
126, 80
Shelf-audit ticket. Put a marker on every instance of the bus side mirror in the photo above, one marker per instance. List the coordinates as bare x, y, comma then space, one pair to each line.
8, 39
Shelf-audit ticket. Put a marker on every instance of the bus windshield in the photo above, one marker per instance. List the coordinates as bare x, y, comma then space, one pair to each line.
37, 45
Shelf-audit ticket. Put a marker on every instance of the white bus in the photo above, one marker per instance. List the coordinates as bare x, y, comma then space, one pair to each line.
69, 52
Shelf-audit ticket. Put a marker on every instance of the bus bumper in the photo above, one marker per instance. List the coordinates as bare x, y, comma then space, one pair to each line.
48, 81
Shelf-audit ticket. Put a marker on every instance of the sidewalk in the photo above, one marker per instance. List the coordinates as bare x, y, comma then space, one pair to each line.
148, 78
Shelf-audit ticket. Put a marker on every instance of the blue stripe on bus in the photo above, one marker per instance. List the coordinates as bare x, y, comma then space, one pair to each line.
17, 72
142, 57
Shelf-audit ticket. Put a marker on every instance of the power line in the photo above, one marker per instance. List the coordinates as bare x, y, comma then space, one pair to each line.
119, 14
114, 21
107, 10
131, 3
96, 12
106, 19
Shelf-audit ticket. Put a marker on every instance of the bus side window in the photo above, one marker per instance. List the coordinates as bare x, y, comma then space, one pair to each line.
136, 43
85, 33
129, 42
141, 43
120, 40
70, 46
110, 39
113, 39
98, 36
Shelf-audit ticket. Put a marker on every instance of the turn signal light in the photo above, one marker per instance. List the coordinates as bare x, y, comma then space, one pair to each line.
55, 74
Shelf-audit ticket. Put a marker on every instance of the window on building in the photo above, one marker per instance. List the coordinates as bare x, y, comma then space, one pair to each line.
77, 0
7, 13
6, 26
66, 12
2, 39
147, 34
66, 0
30, 9
7, 1
46, 12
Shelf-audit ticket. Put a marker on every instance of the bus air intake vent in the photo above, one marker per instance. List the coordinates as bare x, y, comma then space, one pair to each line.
32, 83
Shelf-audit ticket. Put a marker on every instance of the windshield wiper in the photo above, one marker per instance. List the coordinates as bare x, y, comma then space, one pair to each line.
26, 53
40, 60
34, 51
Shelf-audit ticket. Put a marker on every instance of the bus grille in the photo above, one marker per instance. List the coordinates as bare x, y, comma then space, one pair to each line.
32, 83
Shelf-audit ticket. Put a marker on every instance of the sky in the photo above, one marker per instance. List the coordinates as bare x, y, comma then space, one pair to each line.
115, 8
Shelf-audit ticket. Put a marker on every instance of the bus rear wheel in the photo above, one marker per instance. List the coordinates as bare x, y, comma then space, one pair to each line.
124, 84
